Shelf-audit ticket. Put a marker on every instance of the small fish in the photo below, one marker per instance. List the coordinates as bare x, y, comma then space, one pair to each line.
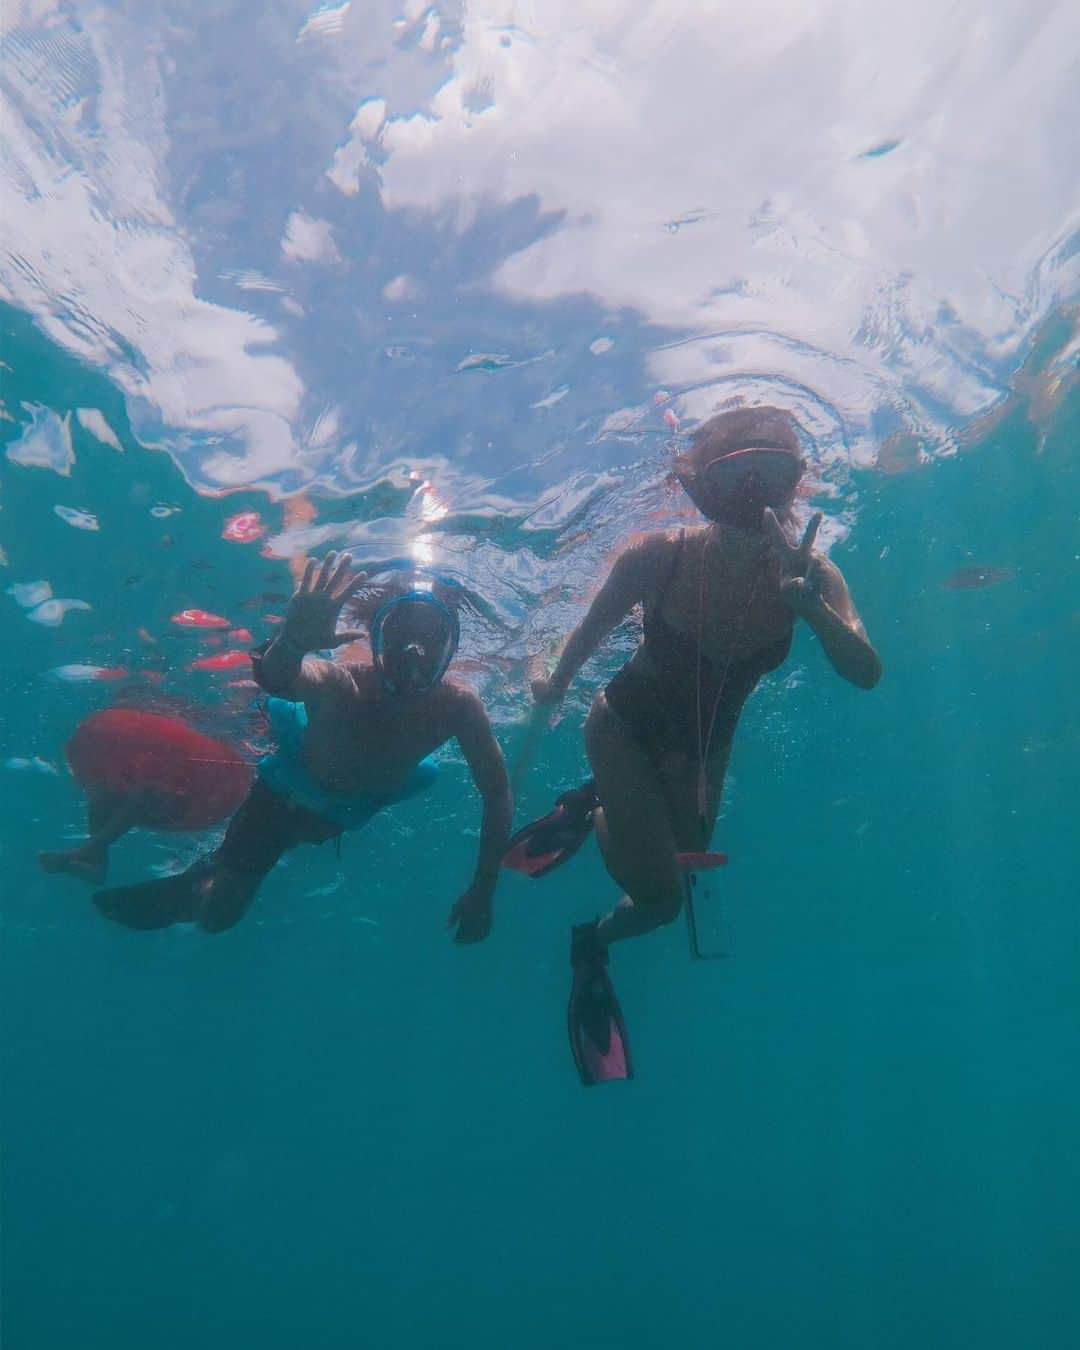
201, 565
221, 661
30, 593
486, 361
976, 578
51, 612
241, 635
882, 148
199, 618
133, 579
36, 764
80, 674
244, 528
80, 520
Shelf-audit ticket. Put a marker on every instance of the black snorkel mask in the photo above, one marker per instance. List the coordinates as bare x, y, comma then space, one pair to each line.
737, 487
413, 640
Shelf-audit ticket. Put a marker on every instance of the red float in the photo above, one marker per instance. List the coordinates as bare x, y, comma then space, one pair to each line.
190, 781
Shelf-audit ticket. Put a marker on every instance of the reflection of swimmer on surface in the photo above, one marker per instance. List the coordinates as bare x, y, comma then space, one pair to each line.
720, 602
144, 770
352, 738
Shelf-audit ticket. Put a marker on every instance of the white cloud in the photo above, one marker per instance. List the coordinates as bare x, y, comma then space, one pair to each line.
432, 24
309, 240
326, 20
556, 396
14, 14
850, 207
94, 252
352, 157
710, 163
45, 443
403, 288
93, 421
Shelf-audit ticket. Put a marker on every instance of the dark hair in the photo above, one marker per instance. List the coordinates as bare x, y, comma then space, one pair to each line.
741, 428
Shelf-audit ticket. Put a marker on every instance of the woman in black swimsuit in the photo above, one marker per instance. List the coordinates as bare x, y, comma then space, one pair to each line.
720, 603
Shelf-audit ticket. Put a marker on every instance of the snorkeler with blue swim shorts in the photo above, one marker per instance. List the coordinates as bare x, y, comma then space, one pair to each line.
352, 739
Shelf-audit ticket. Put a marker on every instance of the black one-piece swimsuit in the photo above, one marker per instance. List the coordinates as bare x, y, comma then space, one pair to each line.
661, 710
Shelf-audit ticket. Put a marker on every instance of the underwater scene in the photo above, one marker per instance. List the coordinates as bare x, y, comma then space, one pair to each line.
538, 581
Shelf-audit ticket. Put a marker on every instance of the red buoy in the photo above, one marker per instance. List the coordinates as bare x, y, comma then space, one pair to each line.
191, 780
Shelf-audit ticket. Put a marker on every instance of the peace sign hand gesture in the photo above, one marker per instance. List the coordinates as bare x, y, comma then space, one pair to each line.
801, 570
311, 619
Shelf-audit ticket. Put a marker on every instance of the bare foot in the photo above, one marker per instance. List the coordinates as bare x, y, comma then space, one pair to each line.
75, 862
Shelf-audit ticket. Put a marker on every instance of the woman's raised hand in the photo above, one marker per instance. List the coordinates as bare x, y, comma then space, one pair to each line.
800, 566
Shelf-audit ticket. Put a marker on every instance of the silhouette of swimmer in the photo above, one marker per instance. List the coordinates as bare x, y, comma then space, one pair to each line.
145, 770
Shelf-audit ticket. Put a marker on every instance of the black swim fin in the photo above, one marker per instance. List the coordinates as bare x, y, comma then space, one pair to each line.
547, 843
157, 903
598, 1037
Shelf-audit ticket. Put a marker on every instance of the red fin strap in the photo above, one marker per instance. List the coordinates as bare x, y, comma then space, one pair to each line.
700, 862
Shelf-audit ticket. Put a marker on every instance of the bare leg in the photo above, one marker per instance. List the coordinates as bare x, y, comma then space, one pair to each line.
109, 815
633, 828
206, 894
648, 814
263, 828
225, 898
217, 891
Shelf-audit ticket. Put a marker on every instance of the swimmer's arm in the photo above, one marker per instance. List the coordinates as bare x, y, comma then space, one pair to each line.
283, 669
472, 913
627, 585
310, 626
831, 614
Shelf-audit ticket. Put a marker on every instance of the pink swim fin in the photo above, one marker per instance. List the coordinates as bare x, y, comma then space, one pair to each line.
598, 1037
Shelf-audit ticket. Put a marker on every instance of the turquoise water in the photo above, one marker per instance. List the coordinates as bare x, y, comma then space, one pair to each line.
329, 1126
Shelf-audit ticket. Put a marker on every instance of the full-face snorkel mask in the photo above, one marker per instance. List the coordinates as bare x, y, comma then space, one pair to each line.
736, 487
413, 640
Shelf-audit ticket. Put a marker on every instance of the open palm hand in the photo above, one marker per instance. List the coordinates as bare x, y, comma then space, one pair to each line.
313, 613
